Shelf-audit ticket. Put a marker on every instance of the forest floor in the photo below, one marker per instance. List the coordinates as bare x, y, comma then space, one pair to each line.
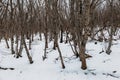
100, 66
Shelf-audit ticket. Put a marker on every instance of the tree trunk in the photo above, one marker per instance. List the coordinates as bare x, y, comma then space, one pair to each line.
20, 49
17, 45
7, 43
30, 41
82, 54
108, 51
27, 52
12, 45
61, 36
60, 54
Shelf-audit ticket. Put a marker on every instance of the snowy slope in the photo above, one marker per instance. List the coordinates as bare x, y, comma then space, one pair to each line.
100, 66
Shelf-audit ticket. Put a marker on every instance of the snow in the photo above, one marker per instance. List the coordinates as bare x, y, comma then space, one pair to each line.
100, 66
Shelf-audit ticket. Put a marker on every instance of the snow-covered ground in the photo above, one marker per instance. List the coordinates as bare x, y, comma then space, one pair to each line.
100, 66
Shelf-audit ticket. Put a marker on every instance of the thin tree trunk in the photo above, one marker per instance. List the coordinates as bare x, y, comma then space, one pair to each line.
74, 49
12, 45
27, 51
17, 45
30, 41
61, 36
108, 51
7, 43
46, 45
40, 36
54, 44
32, 37
66, 41
60, 54
20, 49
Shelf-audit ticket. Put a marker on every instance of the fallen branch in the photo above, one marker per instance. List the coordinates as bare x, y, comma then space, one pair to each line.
6, 68
108, 74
